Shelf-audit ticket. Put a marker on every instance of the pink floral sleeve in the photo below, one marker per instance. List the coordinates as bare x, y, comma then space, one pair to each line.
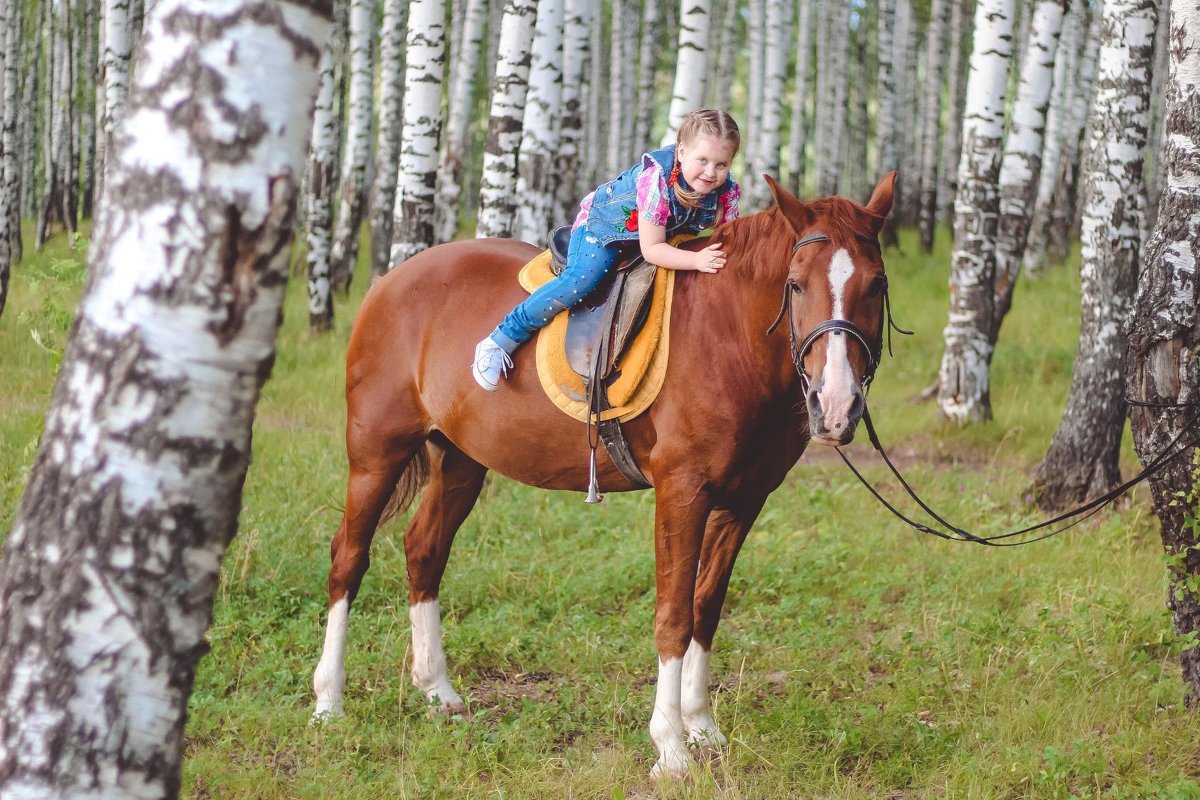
729, 203
652, 193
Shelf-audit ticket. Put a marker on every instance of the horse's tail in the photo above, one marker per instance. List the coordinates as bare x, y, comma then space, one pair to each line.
411, 482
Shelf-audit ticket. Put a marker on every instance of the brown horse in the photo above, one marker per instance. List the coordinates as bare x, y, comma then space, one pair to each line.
733, 416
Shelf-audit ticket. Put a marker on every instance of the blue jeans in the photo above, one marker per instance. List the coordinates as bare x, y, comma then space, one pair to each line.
588, 262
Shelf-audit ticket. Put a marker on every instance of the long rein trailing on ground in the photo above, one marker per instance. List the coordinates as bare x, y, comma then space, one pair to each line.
953, 532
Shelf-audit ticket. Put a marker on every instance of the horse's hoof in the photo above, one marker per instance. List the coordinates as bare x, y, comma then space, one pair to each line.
673, 764
446, 703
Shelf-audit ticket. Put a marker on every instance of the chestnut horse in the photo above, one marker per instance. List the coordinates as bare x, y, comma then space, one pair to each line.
733, 416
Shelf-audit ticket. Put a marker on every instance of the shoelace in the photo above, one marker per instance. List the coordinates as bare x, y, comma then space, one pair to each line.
505, 361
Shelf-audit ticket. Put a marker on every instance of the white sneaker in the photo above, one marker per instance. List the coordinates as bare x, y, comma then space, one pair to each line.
491, 364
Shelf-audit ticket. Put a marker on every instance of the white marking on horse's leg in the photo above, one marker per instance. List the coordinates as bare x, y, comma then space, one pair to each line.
666, 723
330, 675
838, 382
694, 701
429, 673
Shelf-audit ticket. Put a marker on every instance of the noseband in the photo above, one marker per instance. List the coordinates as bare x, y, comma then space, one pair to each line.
837, 327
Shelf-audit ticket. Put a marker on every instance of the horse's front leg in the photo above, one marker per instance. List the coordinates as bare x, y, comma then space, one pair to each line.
723, 537
679, 518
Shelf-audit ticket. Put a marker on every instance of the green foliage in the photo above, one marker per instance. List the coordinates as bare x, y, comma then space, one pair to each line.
857, 659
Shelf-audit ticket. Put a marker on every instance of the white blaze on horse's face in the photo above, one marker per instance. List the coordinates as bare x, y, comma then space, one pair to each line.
838, 389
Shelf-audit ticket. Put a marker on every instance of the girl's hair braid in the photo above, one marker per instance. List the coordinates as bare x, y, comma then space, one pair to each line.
702, 122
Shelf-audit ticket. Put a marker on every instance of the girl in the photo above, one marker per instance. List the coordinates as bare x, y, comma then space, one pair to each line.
683, 188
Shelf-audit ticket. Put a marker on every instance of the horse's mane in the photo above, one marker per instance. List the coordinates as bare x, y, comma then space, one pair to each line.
760, 245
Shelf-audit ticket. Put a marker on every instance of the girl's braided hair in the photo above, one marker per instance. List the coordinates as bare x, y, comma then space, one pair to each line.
702, 122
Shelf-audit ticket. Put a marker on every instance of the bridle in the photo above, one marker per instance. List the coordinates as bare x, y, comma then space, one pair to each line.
836, 327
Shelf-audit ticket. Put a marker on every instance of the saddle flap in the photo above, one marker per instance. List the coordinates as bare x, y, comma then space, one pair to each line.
602, 326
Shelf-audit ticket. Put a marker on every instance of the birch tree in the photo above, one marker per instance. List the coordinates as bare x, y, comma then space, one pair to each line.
391, 114
457, 140
832, 80
769, 116
110, 571
1021, 167
322, 153
1164, 337
352, 192
10, 194
1082, 460
934, 50
648, 51
577, 30
497, 196
797, 132
539, 140
1053, 142
756, 22
963, 379
416, 180
690, 65
620, 86
955, 97
6, 21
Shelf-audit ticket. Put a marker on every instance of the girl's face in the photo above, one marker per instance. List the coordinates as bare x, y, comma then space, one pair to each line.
704, 162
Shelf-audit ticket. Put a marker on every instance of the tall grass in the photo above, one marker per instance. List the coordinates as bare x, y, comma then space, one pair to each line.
857, 660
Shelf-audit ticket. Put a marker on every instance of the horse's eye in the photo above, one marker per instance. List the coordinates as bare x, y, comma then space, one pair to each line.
878, 286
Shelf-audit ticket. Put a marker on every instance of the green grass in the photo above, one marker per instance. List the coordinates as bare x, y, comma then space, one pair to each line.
858, 659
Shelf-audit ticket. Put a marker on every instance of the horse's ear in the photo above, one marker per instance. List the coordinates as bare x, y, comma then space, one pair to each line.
880, 203
796, 213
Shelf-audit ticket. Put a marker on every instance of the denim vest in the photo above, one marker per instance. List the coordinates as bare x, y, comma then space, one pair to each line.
613, 215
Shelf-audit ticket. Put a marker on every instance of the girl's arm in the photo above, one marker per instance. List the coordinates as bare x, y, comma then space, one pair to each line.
653, 241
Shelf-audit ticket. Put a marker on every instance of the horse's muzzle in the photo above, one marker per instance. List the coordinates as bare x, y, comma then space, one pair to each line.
833, 415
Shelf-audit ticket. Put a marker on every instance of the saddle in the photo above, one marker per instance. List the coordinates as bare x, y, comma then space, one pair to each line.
601, 326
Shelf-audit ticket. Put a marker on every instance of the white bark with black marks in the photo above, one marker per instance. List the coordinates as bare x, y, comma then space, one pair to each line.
110, 571
1020, 170
756, 21
7, 100
116, 66
457, 140
797, 134
935, 43
690, 65
352, 192
831, 113
497, 186
620, 86
577, 31
318, 211
648, 52
956, 97
391, 119
769, 121
416, 177
1164, 338
1082, 461
539, 139
963, 379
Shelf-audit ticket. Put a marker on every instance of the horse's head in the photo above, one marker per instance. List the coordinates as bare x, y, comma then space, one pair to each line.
834, 300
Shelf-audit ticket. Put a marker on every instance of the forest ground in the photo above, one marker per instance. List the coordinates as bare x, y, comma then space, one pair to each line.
857, 659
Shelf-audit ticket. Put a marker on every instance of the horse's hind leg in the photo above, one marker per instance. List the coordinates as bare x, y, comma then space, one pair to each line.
723, 537
373, 478
454, 485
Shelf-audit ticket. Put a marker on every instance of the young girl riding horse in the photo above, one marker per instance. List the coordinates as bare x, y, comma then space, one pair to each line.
682, 188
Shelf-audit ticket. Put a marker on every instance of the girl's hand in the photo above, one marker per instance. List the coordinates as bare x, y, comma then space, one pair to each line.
710, 259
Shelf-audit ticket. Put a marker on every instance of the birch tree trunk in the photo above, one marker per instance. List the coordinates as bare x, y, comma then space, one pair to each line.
322, 154
7, 99
963, 379
416, 179
110, 571
1156, 173
934, 48
539, 141
10, 189
457, 144
1065, 65
86, 136
955, 96
887, 154
32, 97
647, 71
832, 117
690, 65
756, 22
117, 71
1082, 460
619, 87
352, 193
597, 96
577, 30
497, 195
770, 115
1021, 168
1066, 205
797, 137
721, 83
1164, 337
391, 118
